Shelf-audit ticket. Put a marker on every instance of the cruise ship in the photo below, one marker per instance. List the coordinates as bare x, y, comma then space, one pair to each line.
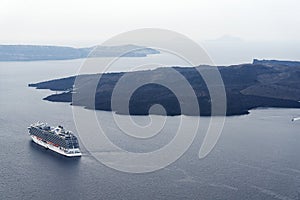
55, 138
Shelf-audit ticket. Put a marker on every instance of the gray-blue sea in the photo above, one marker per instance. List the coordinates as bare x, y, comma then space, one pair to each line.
256, 157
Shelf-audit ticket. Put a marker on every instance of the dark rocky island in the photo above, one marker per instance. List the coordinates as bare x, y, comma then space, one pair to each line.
248, 86
34, 52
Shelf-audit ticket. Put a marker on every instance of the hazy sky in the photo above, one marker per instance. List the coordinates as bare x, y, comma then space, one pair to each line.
86, 22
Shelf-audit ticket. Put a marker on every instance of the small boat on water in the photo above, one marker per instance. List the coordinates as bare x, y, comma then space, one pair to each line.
296, 118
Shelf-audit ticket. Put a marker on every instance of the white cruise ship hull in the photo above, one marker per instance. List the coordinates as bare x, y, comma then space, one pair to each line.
67, 152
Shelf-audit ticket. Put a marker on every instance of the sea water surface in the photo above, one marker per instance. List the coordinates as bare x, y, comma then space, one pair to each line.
256, 157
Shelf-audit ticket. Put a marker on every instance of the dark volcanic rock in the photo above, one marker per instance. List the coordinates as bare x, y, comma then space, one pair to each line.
247, 86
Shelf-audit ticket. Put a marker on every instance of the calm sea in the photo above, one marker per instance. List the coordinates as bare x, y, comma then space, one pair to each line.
257, 156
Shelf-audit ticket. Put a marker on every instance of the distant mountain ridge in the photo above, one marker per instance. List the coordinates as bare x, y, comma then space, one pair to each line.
276, 62
36, 52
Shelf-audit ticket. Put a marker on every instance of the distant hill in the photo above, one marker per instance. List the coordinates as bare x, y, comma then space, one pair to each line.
247, 86
277, 62
32, 52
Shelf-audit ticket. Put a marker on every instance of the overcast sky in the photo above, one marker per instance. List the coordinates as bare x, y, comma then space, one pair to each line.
88, 22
